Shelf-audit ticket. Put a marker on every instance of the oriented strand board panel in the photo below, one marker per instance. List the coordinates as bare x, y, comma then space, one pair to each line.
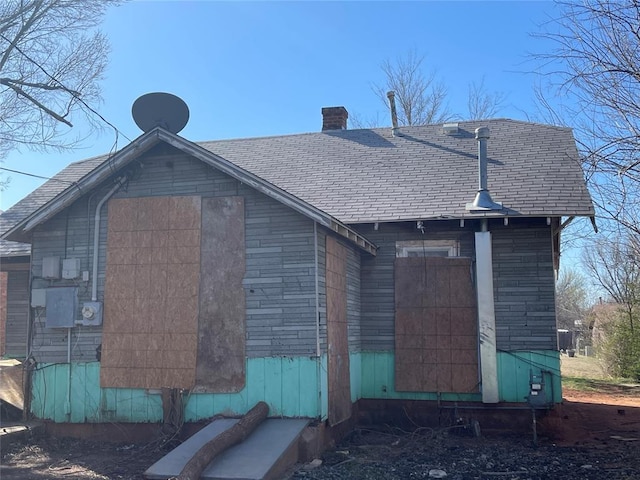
150, 327
339, 385
436, 333
221, 343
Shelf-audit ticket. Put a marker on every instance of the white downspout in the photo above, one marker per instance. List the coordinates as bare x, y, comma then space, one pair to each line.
96, 238
486, 316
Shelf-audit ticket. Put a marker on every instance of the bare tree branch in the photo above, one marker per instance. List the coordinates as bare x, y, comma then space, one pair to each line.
421, 97
592, 82
51, 61
483, 104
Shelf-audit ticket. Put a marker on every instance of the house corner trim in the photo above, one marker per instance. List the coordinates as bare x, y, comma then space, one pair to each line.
486, 318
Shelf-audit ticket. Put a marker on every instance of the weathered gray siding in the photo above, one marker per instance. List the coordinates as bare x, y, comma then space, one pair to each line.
17, 314
280, 279
523, 280
377, 287
524, 288
280, 271
353, 296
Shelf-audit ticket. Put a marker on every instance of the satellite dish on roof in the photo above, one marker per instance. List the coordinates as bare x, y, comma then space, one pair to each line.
160, 109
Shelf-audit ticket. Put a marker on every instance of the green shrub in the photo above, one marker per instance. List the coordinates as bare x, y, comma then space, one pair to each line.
620, 350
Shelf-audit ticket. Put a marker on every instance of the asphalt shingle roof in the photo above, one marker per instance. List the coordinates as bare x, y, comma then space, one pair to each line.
371, 176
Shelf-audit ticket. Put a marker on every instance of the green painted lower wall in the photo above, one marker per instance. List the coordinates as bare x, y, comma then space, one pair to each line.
376, 377
292, 386
515, 368
288, 384
377, 380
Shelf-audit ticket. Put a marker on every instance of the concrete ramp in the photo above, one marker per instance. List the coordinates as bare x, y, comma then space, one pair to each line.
264, 455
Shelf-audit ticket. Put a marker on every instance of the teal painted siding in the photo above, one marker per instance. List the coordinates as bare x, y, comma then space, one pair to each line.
87, 402
288, 384
378, 380
514, 370
324, 387
292, 386
377, 377
355, 363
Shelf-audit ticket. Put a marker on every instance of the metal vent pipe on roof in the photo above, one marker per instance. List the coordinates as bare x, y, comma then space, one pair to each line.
483, 200
391, 95
482, 135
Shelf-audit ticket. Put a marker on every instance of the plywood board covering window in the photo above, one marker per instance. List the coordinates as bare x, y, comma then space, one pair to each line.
222, 337
337, 332
436, 336
150, 330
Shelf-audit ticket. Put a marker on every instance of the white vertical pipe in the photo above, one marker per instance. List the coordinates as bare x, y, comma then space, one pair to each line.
96, 239
486, 316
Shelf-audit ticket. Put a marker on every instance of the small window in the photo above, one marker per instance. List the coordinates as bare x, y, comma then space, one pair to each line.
428, 248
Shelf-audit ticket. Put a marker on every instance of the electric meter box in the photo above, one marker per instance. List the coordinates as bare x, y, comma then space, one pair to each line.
91, 314
70, 268
537, 397
51, 267
39, 297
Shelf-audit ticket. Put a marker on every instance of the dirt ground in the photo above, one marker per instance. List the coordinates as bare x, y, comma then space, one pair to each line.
592, 435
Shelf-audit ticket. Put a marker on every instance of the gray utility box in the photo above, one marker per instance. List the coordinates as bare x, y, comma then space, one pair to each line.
62, 305
537, 397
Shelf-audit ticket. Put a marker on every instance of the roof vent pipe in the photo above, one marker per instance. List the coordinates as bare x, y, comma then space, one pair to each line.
483, 200
391, 95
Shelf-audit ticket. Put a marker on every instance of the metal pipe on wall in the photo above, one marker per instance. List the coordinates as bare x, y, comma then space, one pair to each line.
96, 237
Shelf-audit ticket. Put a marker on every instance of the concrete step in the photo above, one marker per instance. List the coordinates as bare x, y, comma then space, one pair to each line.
264, 455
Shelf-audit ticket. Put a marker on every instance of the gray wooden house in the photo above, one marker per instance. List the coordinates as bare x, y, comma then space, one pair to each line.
312, 271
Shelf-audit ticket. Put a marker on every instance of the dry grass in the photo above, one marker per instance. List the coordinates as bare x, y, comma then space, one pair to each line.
582, 367
586, 374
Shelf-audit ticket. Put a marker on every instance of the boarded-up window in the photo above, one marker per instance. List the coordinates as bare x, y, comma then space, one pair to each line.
337, 332
221, 339
436, 334
150, 331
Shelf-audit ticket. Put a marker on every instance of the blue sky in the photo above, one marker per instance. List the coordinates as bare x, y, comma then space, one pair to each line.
249, 69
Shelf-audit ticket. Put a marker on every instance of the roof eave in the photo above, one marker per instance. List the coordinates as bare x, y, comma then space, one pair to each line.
146, 142
482, 215
89, 181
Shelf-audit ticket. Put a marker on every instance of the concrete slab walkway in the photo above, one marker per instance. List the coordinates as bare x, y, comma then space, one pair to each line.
265, 453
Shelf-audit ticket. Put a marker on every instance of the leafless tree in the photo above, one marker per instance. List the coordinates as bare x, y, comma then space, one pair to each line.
420, 96
571, 299
615, 266
592, 80
51, 60
483, 104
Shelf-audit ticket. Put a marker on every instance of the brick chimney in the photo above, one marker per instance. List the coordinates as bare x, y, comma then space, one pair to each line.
334, 118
